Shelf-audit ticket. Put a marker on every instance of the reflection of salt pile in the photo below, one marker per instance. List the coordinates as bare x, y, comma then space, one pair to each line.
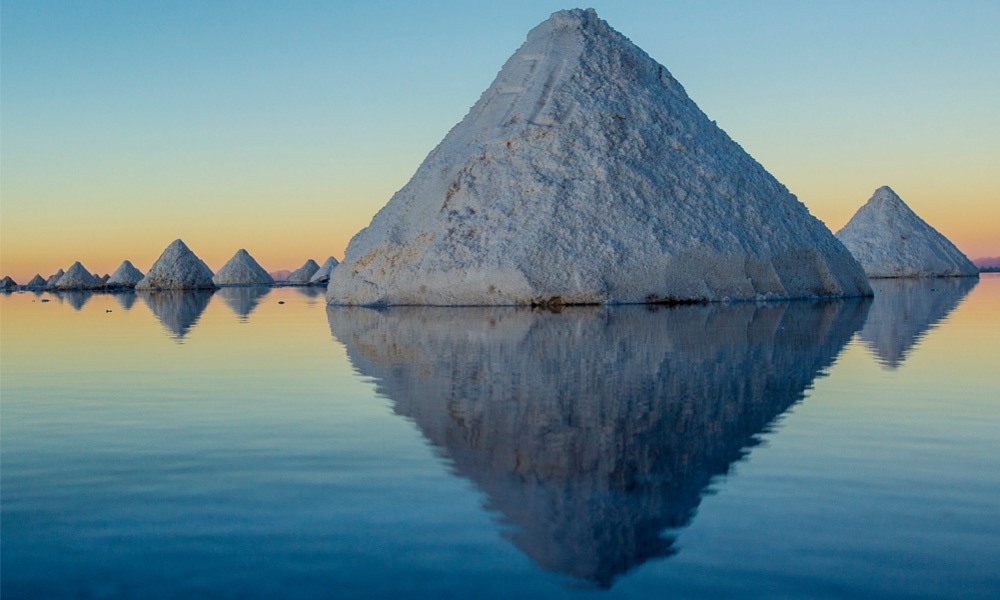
178, 268
323, 274
177, 310
244, 299
242, 269
890, 240
585, 174
302, 275
77, 277
76, 298
595, 430
125, 299
125, 276
904, 310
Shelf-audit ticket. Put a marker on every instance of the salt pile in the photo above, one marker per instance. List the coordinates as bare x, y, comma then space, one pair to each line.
7, 283
890, 240
178, 268
302, 275
126, 275
36, 282
242, 269
53, 279
323, 274
585, 174
77, 277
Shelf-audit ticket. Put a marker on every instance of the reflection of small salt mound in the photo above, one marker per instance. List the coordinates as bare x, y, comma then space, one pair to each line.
243, 300
311, 292
75, 298
177, 310
125, 299
904, 310
595, 430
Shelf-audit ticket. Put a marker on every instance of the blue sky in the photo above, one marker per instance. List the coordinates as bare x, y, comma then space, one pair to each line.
227, 122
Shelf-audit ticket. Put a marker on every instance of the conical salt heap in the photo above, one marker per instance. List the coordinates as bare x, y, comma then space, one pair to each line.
178, 268
890, 240
242, 269
585, 174
36, 282
53, 279
302, 275
77, 277
125, 276
7, 283
323, 275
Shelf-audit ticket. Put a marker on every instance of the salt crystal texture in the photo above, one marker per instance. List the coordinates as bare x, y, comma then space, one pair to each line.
126, 275
77, 277
242, 269
304, 273
890, 240
585, 174
323, 275
178, 268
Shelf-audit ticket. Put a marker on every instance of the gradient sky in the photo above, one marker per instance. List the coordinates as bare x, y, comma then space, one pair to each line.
282, 127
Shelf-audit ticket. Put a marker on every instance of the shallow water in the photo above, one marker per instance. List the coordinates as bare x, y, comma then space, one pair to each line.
256, 444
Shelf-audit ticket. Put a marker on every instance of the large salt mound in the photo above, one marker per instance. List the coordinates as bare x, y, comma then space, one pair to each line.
323, 274
126, 275
585, 174
77, 277
304, 273
890, 240
242, 269
178, 268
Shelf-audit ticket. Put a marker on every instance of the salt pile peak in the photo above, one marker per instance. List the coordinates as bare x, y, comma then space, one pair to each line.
323, 274
77, 277
37, 281
890, 240
242, 269
126, 275
178, 268
585, 174
8, 283
304, 273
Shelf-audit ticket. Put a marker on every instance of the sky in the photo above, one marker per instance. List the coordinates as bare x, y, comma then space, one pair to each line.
282, 127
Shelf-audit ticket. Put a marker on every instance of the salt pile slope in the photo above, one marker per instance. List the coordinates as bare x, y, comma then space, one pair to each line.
323, 275
303, 274
126, 275
178, 268
890, 240
585, 174
242, 269
77, 277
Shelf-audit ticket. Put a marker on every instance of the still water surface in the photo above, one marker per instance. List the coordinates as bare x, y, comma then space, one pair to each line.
254, 443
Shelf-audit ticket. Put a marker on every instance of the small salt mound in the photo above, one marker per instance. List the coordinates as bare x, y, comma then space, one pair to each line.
53, 279
77, 278
890, 240
586, 175
8, 284
242, 269
323, 275
36, 282
304, 273
126, 275
178, 268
